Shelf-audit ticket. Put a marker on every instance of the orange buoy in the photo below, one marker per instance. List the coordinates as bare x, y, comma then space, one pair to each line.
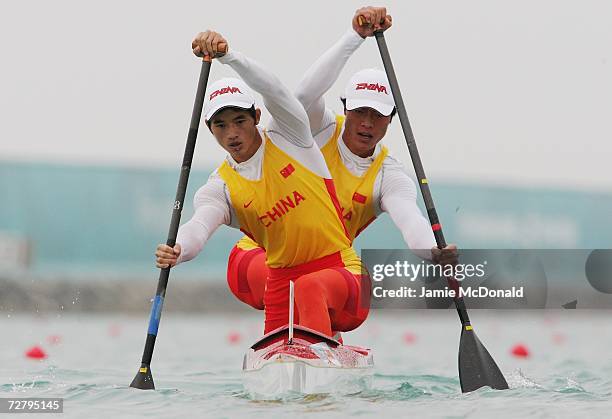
520, 351
36, 352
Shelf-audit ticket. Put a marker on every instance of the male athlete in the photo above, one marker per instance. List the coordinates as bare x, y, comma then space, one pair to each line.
275, 187
368, 181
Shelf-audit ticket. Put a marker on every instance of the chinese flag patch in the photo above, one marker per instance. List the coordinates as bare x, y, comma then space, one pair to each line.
287, 170
357, 197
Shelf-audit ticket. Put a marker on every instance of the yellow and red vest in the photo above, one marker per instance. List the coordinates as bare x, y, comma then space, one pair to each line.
354, 192
291, 212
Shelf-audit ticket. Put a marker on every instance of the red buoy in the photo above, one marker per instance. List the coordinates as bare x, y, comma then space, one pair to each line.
54, 339
36, 352
114, 330
234, 337
520, 351
558, 338
409, 338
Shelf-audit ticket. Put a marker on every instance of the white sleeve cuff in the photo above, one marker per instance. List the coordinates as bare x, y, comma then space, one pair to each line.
353, 37
227, 57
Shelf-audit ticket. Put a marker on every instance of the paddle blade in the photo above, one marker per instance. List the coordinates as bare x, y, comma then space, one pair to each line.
476, 366
143, 379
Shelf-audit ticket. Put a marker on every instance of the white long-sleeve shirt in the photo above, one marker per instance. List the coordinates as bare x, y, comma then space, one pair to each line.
288, 129
394, 191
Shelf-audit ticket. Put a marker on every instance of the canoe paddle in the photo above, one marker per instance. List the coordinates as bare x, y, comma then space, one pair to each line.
144, 378
476, 366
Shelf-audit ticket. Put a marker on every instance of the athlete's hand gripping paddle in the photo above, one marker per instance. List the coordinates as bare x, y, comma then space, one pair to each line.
476, 366
144, 379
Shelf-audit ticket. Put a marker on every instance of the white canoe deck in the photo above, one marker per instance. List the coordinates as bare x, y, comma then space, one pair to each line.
311, 364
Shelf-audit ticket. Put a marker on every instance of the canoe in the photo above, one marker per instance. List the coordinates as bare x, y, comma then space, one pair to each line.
309, 363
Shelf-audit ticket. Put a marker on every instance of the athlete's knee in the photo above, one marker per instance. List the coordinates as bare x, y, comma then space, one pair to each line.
245, 276
308, 287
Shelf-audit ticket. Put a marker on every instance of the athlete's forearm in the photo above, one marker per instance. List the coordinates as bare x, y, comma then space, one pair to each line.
193, 235
398, 199
415, 228
289, 117
322, 75
211, 209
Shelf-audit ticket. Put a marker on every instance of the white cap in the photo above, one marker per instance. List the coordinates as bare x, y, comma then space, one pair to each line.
369, 89
227, 92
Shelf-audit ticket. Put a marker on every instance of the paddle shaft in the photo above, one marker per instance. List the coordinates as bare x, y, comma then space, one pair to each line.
418, 167
176, 212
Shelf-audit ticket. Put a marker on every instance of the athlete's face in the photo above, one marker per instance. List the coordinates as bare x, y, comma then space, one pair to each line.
363, 129
236, 131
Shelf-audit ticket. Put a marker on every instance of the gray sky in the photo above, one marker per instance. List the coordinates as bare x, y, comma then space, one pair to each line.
512, 92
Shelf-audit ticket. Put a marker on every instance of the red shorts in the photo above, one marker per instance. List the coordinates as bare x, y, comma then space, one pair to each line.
349, 317
246, 275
